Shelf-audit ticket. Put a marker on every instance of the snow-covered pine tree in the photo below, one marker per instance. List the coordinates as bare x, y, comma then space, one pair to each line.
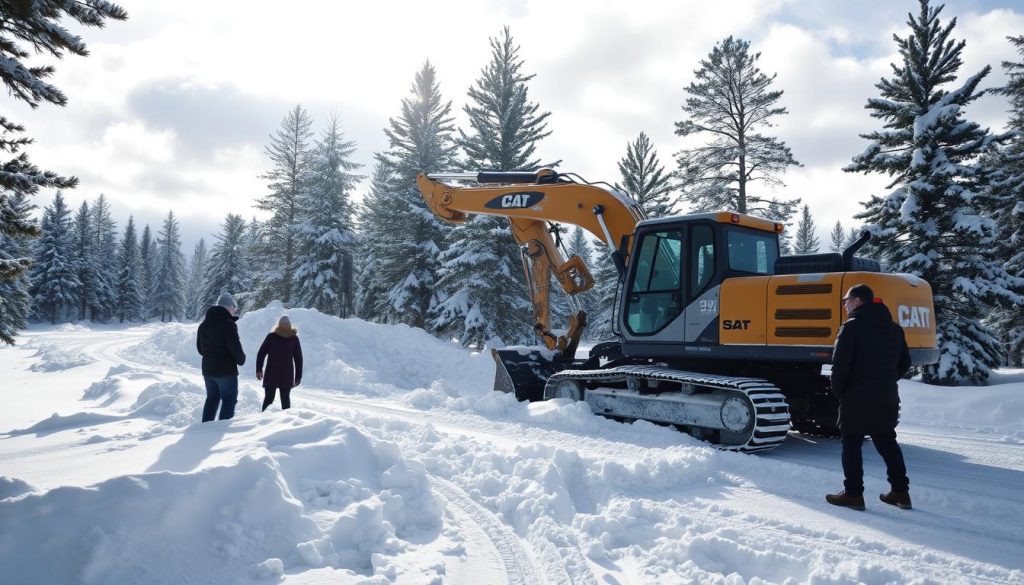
376, 209
407, 248
837, 238
644, 178
17, 230
326, 232
194, 302
732, 100
253, 243
85, 261
1005, 191
806, 240
289, 152
147, 270
54, 273
104, 248
482, 272
227, 269
129, 277
169, 280
933, 224
579, 245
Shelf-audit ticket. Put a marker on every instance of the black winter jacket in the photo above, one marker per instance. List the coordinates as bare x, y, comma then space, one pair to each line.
218, 343
869, 358
281, 349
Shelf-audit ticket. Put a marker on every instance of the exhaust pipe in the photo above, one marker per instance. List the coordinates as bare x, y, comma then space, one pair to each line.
854, 247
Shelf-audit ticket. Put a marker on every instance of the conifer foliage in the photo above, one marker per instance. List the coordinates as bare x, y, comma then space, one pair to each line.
168, 298
55, 282
228, 267
16, 232
806, 240
194, 308
129, 277
933, 224
644, 178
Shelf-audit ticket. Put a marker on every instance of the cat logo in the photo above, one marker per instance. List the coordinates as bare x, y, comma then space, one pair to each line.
914, 316
518, 200
736, 324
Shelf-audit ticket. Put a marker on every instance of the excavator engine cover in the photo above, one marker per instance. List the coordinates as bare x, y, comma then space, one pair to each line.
523, 371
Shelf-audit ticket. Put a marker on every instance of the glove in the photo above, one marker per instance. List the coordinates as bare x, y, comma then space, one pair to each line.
259, 375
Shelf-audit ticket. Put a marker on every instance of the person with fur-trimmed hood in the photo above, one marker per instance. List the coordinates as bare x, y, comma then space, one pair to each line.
283, 353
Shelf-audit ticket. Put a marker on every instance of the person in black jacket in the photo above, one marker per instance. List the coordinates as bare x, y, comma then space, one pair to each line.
218, 343
869, 358
284, 363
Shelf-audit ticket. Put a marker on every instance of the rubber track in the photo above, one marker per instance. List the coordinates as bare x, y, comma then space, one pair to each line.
771, 413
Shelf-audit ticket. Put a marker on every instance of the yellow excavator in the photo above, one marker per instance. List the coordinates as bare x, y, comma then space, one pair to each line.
717, 334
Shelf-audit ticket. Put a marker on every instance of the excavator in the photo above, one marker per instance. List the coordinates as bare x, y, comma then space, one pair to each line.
717, 334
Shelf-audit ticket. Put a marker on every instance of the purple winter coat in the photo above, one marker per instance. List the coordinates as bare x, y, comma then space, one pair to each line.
281, 348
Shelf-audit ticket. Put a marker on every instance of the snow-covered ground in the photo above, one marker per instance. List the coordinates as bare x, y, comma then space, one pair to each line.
396, 464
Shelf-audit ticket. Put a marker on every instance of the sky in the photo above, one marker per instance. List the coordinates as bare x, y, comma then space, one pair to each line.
172, 109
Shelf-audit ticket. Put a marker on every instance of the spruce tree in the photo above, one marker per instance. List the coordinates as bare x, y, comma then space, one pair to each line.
55, 273
376, 210
227, 269
289, 152
606, 284
407, 248
579, 245
129, 277
104, 249
85, 261
17, 230
806, 240
933, 224
482, 265
169, 281
732, 101
326, 232
147, 270
194, 302
644, 178
837, 238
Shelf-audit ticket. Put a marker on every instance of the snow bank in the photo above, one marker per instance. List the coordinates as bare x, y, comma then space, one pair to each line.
348, 354
996, 409
50, 358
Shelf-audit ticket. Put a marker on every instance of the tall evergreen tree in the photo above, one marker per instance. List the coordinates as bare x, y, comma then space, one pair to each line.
837, 238
407, 248
227, 269
104, 248
376, 210
732, 101
932, 225
55, 273
17, 229
806, 241
169, 280
129, 277
644, 178
85, 261
290, 153
147, 270
194, 302
579, 245
482, 265
326, 232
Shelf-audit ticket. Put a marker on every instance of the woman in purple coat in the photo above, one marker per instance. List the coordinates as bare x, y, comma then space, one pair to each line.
281, 349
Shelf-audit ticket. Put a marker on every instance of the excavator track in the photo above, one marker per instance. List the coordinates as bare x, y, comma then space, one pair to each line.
765, 428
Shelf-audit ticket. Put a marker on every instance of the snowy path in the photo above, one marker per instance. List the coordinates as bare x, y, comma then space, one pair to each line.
548, 493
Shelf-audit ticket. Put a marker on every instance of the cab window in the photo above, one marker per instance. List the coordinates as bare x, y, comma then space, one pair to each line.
655, 294
752, 251
702, 258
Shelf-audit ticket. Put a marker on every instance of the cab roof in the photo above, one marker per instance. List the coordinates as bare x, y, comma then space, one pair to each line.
725, 217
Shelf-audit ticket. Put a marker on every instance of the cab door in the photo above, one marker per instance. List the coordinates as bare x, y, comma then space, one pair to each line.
702, 287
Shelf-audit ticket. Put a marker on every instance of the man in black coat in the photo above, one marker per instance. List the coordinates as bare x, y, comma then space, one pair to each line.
869, 358
218, 343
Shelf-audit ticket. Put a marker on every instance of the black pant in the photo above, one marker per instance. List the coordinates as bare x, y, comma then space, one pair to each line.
887, 447
268, 397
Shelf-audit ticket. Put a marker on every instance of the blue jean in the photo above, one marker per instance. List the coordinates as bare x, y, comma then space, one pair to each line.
221, 391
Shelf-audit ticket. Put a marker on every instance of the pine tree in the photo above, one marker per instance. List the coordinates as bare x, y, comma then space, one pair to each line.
54, 273
933, 224
375, 210
837, 238
129, 277
104, 248
194, 306
482, 264
253, 244
227, 269
326, 232
147, 270
644, 178
406, 244
169, 280
84, 258
17, 229
606, 279
806, 239
289, 151
731, 100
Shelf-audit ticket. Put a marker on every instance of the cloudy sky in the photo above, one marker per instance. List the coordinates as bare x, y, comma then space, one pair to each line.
173, 107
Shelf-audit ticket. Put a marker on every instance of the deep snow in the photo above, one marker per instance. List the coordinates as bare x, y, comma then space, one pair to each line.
398, 465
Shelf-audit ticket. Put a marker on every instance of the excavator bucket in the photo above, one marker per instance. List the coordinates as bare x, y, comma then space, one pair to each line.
523, 371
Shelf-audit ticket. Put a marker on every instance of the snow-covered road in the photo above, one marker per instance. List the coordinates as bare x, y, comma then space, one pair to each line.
416, 473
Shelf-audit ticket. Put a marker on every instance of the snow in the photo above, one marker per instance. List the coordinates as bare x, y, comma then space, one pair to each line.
397, 464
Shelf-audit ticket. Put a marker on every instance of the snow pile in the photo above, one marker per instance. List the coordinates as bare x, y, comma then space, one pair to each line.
50, 358
995, 409
302, 491
349, 354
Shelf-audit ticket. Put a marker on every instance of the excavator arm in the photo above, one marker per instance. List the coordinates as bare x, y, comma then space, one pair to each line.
530, 200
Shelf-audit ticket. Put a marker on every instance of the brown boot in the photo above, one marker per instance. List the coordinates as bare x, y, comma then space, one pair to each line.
846, 501
899, 499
